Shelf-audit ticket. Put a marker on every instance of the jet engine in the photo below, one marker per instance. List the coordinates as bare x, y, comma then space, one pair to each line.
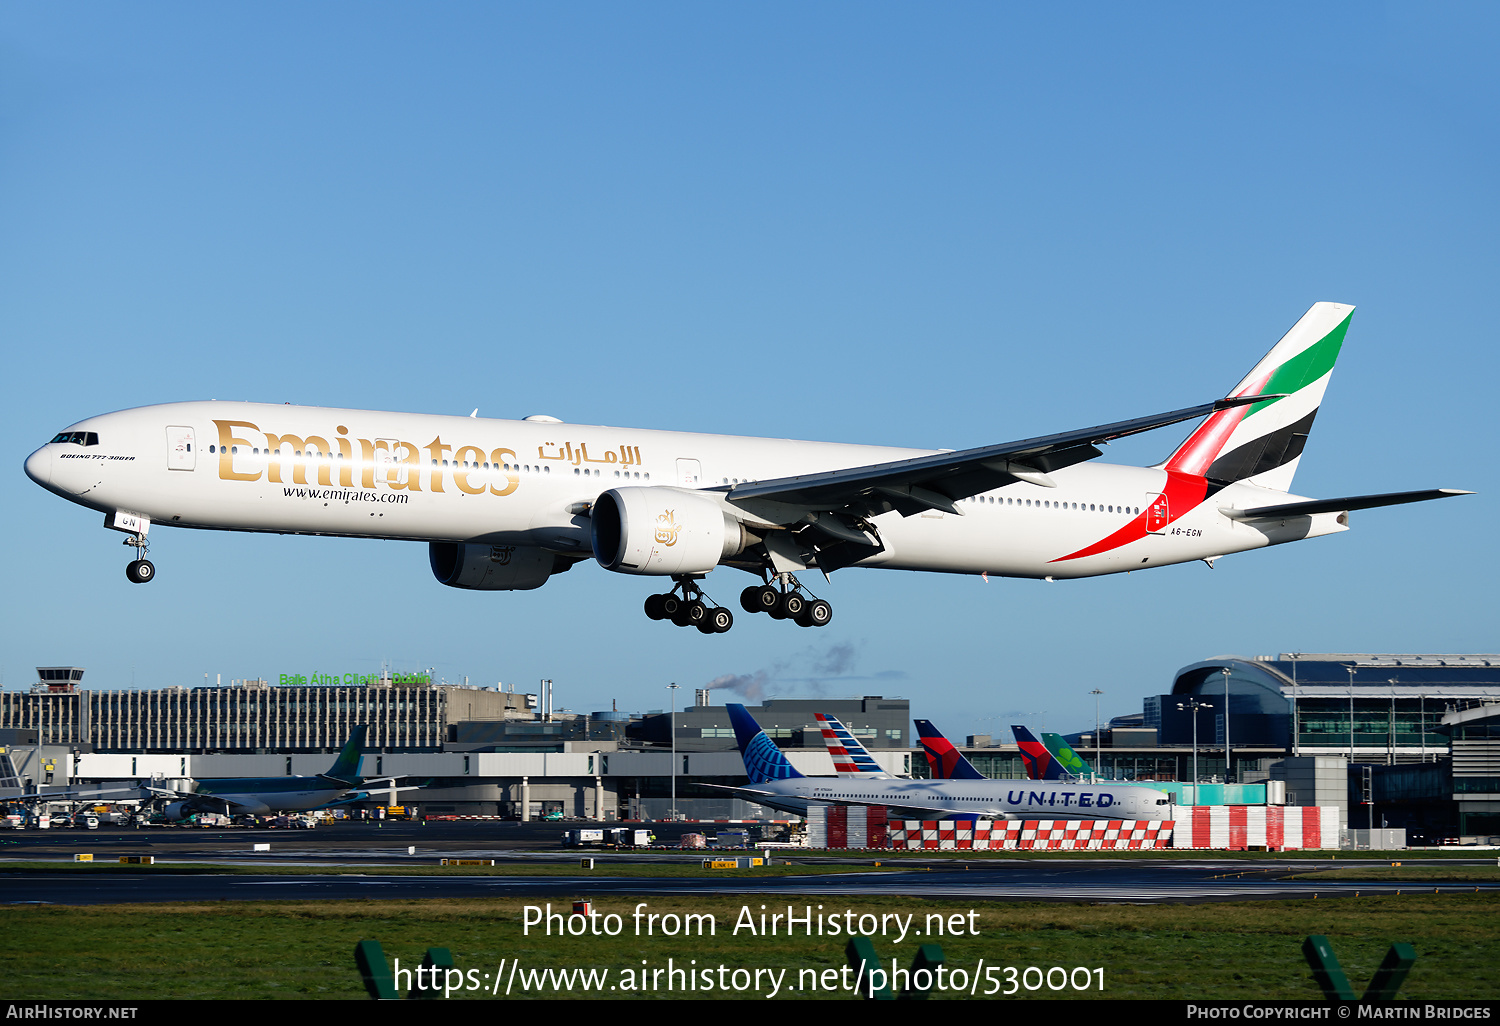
176, 812
660, 531
479, 567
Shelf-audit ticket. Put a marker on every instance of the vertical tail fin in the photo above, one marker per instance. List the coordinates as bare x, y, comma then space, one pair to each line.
1071, 762
1040, 763
945, 761
850, 759
763, 760
1262, 443
346, 766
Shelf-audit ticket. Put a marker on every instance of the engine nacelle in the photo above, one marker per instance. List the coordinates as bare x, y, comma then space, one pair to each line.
659, 531
479, 567
176, 812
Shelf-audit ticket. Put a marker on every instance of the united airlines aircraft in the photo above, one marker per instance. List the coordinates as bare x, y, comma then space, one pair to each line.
775, 782
503, 505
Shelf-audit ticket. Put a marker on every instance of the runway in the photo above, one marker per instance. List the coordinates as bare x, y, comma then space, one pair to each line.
1106, 878
1084, 881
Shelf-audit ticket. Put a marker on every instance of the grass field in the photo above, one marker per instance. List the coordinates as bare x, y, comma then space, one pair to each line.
260, 950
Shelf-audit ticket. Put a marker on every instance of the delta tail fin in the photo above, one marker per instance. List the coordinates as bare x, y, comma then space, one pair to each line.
850, 759
1040, 763
1262, 443
346, 766
763, 760
944, 760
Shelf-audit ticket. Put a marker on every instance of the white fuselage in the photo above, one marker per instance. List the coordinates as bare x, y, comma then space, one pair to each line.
1011, 799
311, 470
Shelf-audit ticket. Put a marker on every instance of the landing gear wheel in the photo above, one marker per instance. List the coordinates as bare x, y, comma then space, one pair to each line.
671, 605
767, 599
750, 600
816, 614
139, 571
791, 606
686, 606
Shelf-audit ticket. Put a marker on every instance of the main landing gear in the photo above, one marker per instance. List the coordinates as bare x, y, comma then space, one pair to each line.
690, 609
786, 602
140, 569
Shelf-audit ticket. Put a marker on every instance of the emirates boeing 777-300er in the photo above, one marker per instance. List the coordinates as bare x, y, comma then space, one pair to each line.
505, 504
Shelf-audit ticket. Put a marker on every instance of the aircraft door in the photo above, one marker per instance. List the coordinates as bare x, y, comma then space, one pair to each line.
180, 455
1157, 514
689, 474
390, 468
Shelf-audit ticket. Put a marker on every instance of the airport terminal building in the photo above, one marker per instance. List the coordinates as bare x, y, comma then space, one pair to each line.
1399, 740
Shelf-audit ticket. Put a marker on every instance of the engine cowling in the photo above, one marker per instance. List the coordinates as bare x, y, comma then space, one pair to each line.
176, 812
660, 531
478, 567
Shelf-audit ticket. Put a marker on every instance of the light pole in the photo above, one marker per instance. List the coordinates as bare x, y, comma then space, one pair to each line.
672, 729
1194, 705
1096, 693
1296, 727
1350, 670
1228, 763
1391, 758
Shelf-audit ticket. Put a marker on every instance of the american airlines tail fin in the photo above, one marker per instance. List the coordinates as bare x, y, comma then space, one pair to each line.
346, 766
1262, 443
763, 760
850, 759
945, 761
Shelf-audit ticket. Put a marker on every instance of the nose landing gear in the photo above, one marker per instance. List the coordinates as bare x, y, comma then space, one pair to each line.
139, 570
690, 609
786, 602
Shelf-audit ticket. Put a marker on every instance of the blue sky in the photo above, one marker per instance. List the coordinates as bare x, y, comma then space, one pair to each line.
908, 224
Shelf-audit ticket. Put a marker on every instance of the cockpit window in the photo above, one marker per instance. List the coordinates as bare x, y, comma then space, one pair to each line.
79, 437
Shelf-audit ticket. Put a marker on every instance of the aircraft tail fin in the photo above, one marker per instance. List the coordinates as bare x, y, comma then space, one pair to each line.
763, 760
945, 761
850, 759
1040, 765
346, 766
1262, 443
1071, 762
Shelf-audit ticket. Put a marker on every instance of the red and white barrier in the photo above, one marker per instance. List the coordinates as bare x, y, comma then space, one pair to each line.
1237, 827
1061, 834
1222, 827
855, 826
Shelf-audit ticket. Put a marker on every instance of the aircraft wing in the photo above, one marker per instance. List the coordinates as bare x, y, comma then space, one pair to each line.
1312, 506
924, 810
900, 802
940, 480
164, 792
205, 802
49, 796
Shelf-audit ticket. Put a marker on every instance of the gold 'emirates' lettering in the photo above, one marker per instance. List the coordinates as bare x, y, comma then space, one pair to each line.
403, 462
295, 446
512, 478
462, 470
227, 443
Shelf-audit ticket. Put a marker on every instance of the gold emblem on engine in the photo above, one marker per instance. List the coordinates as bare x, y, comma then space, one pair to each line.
666, 529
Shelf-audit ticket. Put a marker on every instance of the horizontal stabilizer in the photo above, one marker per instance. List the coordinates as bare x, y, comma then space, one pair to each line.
1309, 508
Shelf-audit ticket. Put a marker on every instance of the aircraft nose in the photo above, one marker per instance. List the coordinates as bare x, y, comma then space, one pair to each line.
39, 466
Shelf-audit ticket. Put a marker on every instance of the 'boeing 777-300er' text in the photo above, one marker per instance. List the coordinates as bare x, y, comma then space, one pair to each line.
503, 505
